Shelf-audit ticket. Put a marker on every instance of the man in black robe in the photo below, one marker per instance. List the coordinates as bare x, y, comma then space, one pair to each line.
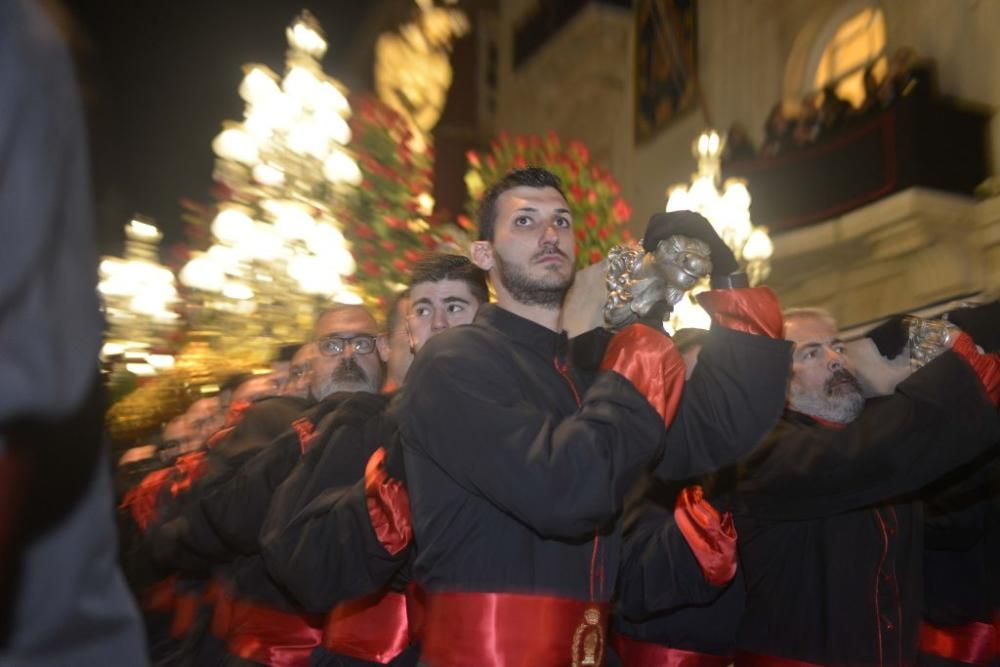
217, 523
830, 546
517, 464
336, 531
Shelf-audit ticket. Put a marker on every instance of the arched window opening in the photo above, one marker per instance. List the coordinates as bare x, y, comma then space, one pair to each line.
857, 44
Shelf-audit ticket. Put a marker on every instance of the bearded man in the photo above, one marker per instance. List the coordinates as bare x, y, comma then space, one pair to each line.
830, 543
517, 463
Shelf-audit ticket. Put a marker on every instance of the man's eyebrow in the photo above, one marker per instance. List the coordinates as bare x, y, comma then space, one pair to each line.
808, 346
455, 299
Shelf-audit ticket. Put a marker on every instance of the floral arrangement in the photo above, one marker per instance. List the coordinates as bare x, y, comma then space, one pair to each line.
600, 215
388, 222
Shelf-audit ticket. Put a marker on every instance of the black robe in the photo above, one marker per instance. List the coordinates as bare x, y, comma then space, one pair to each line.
830, 553
317, 539
510, 477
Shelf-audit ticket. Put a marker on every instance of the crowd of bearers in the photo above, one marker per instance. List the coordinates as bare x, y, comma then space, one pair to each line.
470, 487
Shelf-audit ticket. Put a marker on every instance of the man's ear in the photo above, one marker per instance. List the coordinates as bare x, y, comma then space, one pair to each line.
382, 345
482, 254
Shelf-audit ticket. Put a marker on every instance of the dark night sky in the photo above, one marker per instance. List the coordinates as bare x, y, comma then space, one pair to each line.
159, 79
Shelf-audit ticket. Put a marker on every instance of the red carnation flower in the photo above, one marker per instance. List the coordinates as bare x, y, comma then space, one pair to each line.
602, 233
465, 223
580, 150
473, 158
595, 256
621, 211
370, 267
591, 220
591, 197
399, 265
580, 233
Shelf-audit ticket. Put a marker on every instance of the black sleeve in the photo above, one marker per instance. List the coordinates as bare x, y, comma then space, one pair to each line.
564, 477
658, 571
732, 400
937, 419
329, 552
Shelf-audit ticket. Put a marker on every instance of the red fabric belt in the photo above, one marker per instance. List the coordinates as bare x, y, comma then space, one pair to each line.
272, 637
508, 630
744, 659
634, 653
374, 628
973, 643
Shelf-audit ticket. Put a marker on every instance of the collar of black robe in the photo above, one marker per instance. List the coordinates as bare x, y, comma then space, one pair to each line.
543, 341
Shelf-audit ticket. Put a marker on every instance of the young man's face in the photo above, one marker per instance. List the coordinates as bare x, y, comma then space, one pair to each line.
436, 306
532, 252
823, 383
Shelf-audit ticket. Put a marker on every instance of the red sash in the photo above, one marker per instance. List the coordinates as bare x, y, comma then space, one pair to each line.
374, 628
500, 629
972, 643
744, 659
271, 637
634, 653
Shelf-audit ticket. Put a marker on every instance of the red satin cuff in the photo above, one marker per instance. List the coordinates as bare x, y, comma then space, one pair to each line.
986, 366
160, 597
649, 360
272, 637
505, 629
374, 628
973, 643
233, 417
140, 501
306, 432
222, 611
634, 653
711, 535
185, 610
753, 310
187, 470
388, 505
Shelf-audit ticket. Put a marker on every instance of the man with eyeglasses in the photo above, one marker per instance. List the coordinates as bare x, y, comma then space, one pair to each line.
218, 525
331, 534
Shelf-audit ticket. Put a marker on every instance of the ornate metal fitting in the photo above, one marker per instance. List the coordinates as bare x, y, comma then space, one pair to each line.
636, 280
928, 339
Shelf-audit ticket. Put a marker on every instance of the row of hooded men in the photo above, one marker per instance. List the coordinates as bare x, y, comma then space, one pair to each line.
471, 487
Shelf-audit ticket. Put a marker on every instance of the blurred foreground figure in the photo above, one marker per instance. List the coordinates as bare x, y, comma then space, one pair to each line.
62, 598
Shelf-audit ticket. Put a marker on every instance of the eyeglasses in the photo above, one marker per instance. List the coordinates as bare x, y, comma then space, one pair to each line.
331, 346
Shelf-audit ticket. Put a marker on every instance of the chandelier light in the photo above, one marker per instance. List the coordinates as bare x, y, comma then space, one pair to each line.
728, 210
138, 295
277, 249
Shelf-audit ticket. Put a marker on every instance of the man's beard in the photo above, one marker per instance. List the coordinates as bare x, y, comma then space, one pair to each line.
546, 292
348, 376
841, 399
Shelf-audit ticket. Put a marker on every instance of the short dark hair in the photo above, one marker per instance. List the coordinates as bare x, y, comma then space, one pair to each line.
532, 177
440, 266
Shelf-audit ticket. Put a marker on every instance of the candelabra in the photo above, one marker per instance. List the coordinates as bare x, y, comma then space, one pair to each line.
728, 209
278, 251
